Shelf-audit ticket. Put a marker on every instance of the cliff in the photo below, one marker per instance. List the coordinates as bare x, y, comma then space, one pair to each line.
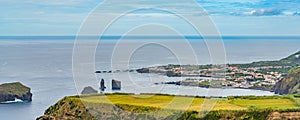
12, 91
69, 108
290, 84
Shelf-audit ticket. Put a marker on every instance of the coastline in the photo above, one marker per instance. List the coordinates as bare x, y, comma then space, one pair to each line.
223, 87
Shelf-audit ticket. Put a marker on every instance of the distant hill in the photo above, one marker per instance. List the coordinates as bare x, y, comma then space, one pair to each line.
294, 58
290, 84
286, 63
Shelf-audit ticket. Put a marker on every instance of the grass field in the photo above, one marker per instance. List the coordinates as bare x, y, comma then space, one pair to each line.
148, 106
190, 103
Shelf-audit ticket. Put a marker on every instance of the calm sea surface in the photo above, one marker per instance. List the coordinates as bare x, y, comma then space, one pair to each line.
46, 67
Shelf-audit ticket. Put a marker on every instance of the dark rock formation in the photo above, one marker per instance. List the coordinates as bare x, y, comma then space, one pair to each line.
115, 85
290, 84
143, 70
102, 85
12, 91
173, 74
89, 90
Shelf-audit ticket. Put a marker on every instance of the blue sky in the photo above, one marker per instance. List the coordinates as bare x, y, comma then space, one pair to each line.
234, 17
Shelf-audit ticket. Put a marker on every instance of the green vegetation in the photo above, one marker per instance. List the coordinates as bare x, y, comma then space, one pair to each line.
290, 84
204, 83
159, 101
14, 89
282, 66
153, 106
294, 70
285, 63
68, 108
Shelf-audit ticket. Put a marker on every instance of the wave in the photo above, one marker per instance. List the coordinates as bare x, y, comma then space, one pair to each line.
15, 101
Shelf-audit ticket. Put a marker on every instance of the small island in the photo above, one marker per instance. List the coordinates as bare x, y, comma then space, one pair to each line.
11, 92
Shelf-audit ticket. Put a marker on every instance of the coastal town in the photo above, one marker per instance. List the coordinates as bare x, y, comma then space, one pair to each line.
262, 78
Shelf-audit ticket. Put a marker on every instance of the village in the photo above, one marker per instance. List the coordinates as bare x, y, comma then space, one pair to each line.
262, 78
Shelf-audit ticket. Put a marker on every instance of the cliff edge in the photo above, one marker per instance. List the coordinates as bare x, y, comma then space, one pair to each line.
290, 84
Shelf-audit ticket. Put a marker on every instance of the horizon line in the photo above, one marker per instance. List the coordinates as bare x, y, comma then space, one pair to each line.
112, 37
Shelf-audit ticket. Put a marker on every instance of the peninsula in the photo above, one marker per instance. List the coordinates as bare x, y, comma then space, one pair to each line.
262, 75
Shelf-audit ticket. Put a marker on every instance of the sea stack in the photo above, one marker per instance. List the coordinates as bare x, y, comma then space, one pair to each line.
102, 85
13, 91
115, 85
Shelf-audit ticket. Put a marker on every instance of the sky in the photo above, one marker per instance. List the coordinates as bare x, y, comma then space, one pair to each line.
231, 17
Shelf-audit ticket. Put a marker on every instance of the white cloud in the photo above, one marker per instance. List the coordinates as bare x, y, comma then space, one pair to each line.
264, 12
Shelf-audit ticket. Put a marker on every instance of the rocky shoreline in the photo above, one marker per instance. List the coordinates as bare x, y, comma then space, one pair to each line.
182, 83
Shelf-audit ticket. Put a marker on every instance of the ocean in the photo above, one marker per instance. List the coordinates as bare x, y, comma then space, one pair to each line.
45, 65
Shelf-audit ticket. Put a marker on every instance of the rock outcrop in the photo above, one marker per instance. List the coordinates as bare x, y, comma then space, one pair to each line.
143, 70
102, 85
13, 91
89, 90
68, 108
115, 85
290, 84
284, 116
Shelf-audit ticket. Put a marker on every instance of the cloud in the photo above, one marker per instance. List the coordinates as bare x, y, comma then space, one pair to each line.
63, 16
264, 12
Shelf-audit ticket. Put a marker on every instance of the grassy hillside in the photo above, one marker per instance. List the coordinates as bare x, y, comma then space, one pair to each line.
287, 63
161, 101
290, 84
295, 70
122, 106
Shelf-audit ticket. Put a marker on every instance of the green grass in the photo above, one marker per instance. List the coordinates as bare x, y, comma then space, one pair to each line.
266, 103
205, 83
149, 106
193, 104
294, 70
13, 88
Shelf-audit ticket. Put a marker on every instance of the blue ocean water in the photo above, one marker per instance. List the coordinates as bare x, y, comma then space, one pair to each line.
45, 65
